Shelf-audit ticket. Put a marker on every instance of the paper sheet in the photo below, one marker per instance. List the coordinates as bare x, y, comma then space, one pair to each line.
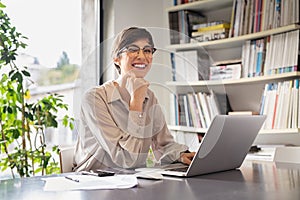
89, 182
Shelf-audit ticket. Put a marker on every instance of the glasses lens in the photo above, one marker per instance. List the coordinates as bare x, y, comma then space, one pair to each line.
148, 50
134, 50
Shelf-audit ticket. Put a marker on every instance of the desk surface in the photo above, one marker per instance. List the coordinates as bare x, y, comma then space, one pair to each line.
254, 180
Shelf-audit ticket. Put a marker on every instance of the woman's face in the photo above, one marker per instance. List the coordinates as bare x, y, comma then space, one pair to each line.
136, 58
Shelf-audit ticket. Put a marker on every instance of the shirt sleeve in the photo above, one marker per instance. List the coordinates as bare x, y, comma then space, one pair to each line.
164, 147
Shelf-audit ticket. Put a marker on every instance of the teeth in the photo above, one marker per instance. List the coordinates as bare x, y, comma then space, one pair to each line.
139, 65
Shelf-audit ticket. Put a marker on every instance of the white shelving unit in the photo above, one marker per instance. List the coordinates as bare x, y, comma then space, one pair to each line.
202, 5
244, 93
234, 41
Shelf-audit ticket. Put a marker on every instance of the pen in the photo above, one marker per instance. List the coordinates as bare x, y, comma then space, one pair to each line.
71, 179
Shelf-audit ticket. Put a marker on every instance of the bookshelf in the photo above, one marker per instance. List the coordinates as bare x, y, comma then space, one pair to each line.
244, 93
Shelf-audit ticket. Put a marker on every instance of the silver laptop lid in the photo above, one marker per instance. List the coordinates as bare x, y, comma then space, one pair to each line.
226, 143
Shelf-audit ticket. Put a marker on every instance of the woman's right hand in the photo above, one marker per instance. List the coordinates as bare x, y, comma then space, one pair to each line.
137, 88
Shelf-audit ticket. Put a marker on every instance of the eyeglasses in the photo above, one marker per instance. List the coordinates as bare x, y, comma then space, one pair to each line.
134, 50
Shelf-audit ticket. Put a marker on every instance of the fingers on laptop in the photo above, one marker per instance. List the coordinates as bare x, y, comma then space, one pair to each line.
187, 158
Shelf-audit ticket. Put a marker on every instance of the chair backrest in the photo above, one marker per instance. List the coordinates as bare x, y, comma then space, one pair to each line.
66, 155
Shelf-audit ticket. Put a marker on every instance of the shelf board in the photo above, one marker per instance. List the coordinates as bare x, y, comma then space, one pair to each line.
234, 41
201, 5
204, 130
257, 79
280, 131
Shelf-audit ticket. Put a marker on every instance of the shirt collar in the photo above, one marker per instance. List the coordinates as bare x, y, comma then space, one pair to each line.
113, 93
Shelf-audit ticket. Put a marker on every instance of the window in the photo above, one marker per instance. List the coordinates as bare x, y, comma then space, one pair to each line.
53, 54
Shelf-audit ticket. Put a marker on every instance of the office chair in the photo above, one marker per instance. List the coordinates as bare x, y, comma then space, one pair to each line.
66, 155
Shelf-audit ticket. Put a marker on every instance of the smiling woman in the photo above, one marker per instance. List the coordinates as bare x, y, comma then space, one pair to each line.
121, 120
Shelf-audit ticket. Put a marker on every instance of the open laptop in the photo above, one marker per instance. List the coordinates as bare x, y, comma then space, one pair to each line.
224, 146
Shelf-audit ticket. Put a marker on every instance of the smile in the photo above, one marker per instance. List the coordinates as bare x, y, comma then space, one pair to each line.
139, 66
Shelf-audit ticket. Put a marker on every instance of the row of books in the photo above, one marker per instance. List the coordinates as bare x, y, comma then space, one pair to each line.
226, 70
181, 23
195, 109
274, 54
280, 102
259, 15
210, 32
191, 65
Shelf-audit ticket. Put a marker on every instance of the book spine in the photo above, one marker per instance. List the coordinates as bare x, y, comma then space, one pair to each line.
173, 65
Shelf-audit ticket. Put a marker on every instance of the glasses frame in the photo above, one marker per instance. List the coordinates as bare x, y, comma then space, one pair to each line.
125, 49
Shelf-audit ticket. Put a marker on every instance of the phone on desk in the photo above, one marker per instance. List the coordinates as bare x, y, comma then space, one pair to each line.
104, 172
99, 173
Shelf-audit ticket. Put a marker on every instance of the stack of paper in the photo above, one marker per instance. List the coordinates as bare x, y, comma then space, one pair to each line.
84, 182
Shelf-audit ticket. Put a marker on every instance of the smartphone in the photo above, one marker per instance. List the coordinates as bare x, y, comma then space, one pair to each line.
104, 172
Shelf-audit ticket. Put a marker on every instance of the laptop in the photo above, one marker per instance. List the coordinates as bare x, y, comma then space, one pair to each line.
224, 146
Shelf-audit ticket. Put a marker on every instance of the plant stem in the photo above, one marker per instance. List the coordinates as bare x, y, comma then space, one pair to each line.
23, 130
5, 146
30, 147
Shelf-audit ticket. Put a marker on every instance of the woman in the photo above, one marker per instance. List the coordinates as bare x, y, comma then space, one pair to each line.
121, 119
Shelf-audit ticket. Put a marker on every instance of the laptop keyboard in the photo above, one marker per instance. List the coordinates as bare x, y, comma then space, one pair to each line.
182, 169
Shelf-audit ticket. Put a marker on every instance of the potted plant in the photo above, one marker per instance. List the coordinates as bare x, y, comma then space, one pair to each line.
22, 122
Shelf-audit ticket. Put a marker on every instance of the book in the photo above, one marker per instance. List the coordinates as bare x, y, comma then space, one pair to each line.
193, 111
181, 25
210, 35
215, 27
178, 66
187, 111
173, 65
191, 65
231, 71
204, 105
174, 27
181, 111
200, 111
213, 104
174, 116
260, 51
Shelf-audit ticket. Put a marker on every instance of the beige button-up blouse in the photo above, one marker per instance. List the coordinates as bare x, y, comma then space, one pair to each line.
111, 135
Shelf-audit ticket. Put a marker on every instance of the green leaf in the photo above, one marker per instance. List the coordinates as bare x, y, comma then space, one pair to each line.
71, 125
9, 110
16, 134
2, 5
25, 73
17, 76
